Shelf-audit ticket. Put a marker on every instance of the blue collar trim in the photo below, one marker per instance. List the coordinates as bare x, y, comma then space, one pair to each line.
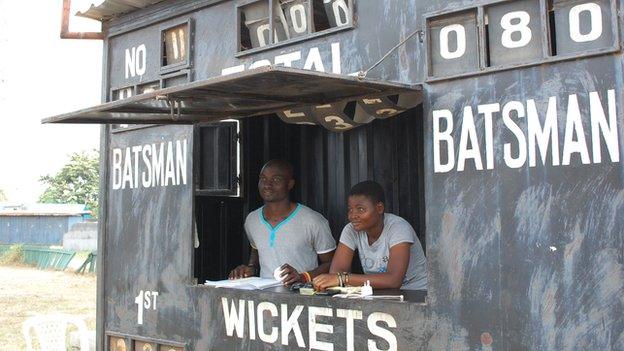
273, 230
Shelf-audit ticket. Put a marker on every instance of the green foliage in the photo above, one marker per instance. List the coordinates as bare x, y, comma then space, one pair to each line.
77, 182
15, 255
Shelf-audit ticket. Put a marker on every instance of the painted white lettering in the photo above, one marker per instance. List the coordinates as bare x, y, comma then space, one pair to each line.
127, 170
147, 302
488, 111
234, 319
170, 170
574, 125
516, 22
260, 314
181, 162
460, 34
468, 134
146, 176
510, 161
154, 296
116, 169
599, 125
158, 165
291, 324
314, 328
136, 150
595, 15
336, 59
350, 316
130, 62
141, 59
549, 134
314, 61
385, 334
445, 136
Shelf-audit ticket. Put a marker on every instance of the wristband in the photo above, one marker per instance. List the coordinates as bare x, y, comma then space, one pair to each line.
306, 277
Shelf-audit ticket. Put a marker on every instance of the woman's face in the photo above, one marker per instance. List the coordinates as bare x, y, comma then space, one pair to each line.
363, 213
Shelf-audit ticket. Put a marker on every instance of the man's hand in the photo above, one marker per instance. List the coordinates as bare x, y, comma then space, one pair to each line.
242, 271
289, 275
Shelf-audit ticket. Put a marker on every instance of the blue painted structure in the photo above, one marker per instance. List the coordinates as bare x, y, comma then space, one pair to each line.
41, 224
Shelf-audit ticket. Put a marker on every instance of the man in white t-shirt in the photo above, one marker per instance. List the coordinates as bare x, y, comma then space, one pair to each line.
284, 234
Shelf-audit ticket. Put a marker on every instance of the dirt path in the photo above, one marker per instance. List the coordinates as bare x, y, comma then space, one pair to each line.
26, 291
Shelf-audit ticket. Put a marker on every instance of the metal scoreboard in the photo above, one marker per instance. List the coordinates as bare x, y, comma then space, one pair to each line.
494, 126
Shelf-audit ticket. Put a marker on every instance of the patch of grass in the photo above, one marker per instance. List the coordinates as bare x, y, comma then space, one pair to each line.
15, 255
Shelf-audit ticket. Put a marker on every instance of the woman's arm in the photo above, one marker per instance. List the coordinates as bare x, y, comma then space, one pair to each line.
391, 279
342, 259
340, 263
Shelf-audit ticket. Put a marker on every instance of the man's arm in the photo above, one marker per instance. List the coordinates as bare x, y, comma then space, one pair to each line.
326, 260
252, 268
290, 275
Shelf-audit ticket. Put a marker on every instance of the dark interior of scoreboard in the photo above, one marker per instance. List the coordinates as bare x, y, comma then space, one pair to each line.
326, 163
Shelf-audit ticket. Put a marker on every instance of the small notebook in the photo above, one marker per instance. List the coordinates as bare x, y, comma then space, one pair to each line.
251, 283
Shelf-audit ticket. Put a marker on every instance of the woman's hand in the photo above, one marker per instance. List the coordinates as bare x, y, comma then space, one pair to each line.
325, 281
289, 275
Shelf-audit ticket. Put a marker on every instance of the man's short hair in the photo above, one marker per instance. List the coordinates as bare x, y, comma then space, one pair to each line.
282, 164
371, 189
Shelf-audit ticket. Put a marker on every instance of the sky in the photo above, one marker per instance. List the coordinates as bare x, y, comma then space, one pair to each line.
42, 76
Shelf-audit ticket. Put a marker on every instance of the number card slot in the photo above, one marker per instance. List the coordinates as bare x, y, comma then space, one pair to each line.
514, 32
453, 44
295, 14
300, 115
118, 344
334, 118
583, 25
144, 346
255, 26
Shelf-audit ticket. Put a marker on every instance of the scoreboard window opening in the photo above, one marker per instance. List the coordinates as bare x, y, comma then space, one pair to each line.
175, 47
265, 23
509, 34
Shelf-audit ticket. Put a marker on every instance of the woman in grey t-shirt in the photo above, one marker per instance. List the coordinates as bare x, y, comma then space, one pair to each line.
389, 249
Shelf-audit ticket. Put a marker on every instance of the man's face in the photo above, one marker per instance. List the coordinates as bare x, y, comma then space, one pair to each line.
274, 184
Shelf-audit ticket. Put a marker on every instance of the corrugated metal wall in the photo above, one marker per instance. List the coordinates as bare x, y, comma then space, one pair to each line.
40, 230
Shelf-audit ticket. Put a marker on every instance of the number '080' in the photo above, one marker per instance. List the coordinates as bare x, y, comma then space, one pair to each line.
516, 32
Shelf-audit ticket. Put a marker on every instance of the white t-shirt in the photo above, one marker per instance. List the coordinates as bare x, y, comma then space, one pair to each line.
375, 257
297, 240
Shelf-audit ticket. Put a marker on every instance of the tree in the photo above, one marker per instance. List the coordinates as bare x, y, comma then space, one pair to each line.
3, 196
76, 182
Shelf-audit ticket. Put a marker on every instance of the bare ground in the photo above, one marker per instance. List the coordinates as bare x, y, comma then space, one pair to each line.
26, 291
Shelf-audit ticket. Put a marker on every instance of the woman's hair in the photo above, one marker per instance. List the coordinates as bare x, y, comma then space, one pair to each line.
370, 189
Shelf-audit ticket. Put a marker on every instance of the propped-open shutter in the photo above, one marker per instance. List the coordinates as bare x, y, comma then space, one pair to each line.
219, 159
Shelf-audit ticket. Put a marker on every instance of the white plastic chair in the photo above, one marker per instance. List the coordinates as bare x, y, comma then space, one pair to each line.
51, 331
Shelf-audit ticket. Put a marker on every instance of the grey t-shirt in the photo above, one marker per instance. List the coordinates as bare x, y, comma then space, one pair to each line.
375, 257
297, 240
